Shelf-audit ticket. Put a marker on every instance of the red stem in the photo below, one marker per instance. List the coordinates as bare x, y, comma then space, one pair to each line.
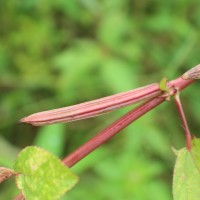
188, 136
110, 131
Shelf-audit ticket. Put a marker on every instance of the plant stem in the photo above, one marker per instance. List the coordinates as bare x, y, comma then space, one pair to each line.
184, 121
110, 131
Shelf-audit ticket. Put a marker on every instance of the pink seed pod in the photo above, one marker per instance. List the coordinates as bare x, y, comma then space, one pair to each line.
93, 108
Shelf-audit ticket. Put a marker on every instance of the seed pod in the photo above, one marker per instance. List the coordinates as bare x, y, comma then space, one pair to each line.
193, 73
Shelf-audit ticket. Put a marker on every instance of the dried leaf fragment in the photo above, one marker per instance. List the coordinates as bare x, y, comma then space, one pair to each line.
5, 174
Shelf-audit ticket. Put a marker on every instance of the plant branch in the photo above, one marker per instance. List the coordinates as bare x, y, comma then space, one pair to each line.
124, 121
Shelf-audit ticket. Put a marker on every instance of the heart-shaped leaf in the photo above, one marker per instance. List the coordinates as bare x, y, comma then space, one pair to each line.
42, 175
186, 180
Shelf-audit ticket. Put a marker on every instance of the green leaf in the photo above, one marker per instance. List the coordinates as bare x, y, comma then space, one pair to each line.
42, 175
196, 152
163, 84
186, 180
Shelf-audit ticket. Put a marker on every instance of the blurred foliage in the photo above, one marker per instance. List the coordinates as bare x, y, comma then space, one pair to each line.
58, 53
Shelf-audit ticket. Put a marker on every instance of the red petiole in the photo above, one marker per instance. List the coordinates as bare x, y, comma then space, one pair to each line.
188, 136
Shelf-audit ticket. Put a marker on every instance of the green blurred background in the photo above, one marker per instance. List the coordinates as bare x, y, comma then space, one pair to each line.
59, 53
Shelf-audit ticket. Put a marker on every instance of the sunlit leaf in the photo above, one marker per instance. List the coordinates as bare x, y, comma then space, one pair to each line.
43, 176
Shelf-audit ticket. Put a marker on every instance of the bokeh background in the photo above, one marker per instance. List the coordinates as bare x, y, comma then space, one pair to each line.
59, 53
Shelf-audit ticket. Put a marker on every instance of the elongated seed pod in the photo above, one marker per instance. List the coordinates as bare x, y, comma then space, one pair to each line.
107, 104
193, 73
95, 107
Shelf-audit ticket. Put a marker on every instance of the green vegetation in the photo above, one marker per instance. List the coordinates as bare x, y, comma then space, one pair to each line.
59, 53
186, 174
